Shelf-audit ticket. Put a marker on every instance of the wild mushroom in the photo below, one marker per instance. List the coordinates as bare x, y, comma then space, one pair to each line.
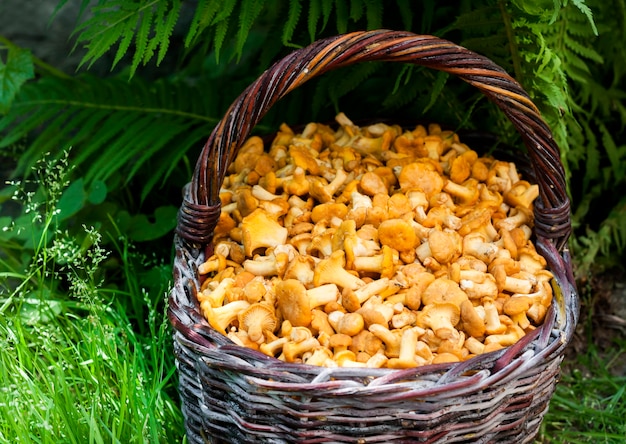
293, 302
257, 319
324, 192
221, 317
319, 357
397, 234
522, 194
407, 357
441, 318
346, 358
293, 350
391, 338
216, 296
350, 324
270, 265
461, 167
474, 244
331, 271
375, 311
443, 290
421, 175
509, 337
466, 193
473, 323
477, 284
321, 295
320, 324
259, 230
518, 216
381, 264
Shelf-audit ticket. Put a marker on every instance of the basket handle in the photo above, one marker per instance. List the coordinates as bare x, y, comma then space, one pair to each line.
201, 207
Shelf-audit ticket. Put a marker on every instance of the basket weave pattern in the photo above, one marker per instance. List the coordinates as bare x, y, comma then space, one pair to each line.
237, 395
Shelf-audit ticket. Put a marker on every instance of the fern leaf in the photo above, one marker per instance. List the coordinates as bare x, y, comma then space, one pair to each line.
165, 28
142, 52
247, 15
114, 126
327, 9
203, 17
221, 23
614, 154
220, 34
314, 16
484, 19
121, 22
13, 74
225, 11
341, 11
126, 40
582, 50
350, 80
374, 13
293, 15
406, 13
580, 4
356, 10
440, 81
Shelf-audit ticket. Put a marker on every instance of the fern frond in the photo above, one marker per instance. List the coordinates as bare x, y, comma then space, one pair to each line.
149, 24
580, 4
582, 50
247, 15
406, 13
165, 27
341, 10
356, 10
315, 11
114, 126
293, 15
202, 18
221, 22
374, 13
327, 9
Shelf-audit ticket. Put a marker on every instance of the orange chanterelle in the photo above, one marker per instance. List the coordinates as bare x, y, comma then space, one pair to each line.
373, 246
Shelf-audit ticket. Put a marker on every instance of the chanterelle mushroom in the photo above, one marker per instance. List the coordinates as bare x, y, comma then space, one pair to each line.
293, 302
259, 230
256, 320
404, 244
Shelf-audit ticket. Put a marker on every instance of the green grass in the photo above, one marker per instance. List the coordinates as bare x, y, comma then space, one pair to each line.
86, 377
85, 346
589, 405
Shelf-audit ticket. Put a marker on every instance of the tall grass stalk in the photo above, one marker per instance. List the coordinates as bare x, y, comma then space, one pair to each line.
74, 365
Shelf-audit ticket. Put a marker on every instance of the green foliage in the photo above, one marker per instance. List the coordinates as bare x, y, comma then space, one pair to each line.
84, 356
115, 126
13, 74
84, 260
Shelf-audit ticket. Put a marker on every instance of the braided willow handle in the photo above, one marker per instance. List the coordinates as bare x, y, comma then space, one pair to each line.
200, 210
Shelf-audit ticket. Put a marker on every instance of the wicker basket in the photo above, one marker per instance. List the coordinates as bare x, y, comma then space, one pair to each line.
237, 395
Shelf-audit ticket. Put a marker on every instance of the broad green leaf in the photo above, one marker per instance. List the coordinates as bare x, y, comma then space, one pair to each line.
13, 74
97, 192
37, 309
143, 228
72, 200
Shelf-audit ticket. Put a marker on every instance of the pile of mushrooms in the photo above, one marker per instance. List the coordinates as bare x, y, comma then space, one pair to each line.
373, 247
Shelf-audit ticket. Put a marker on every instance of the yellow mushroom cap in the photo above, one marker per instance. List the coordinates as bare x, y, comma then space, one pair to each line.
256, 320
293, 302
